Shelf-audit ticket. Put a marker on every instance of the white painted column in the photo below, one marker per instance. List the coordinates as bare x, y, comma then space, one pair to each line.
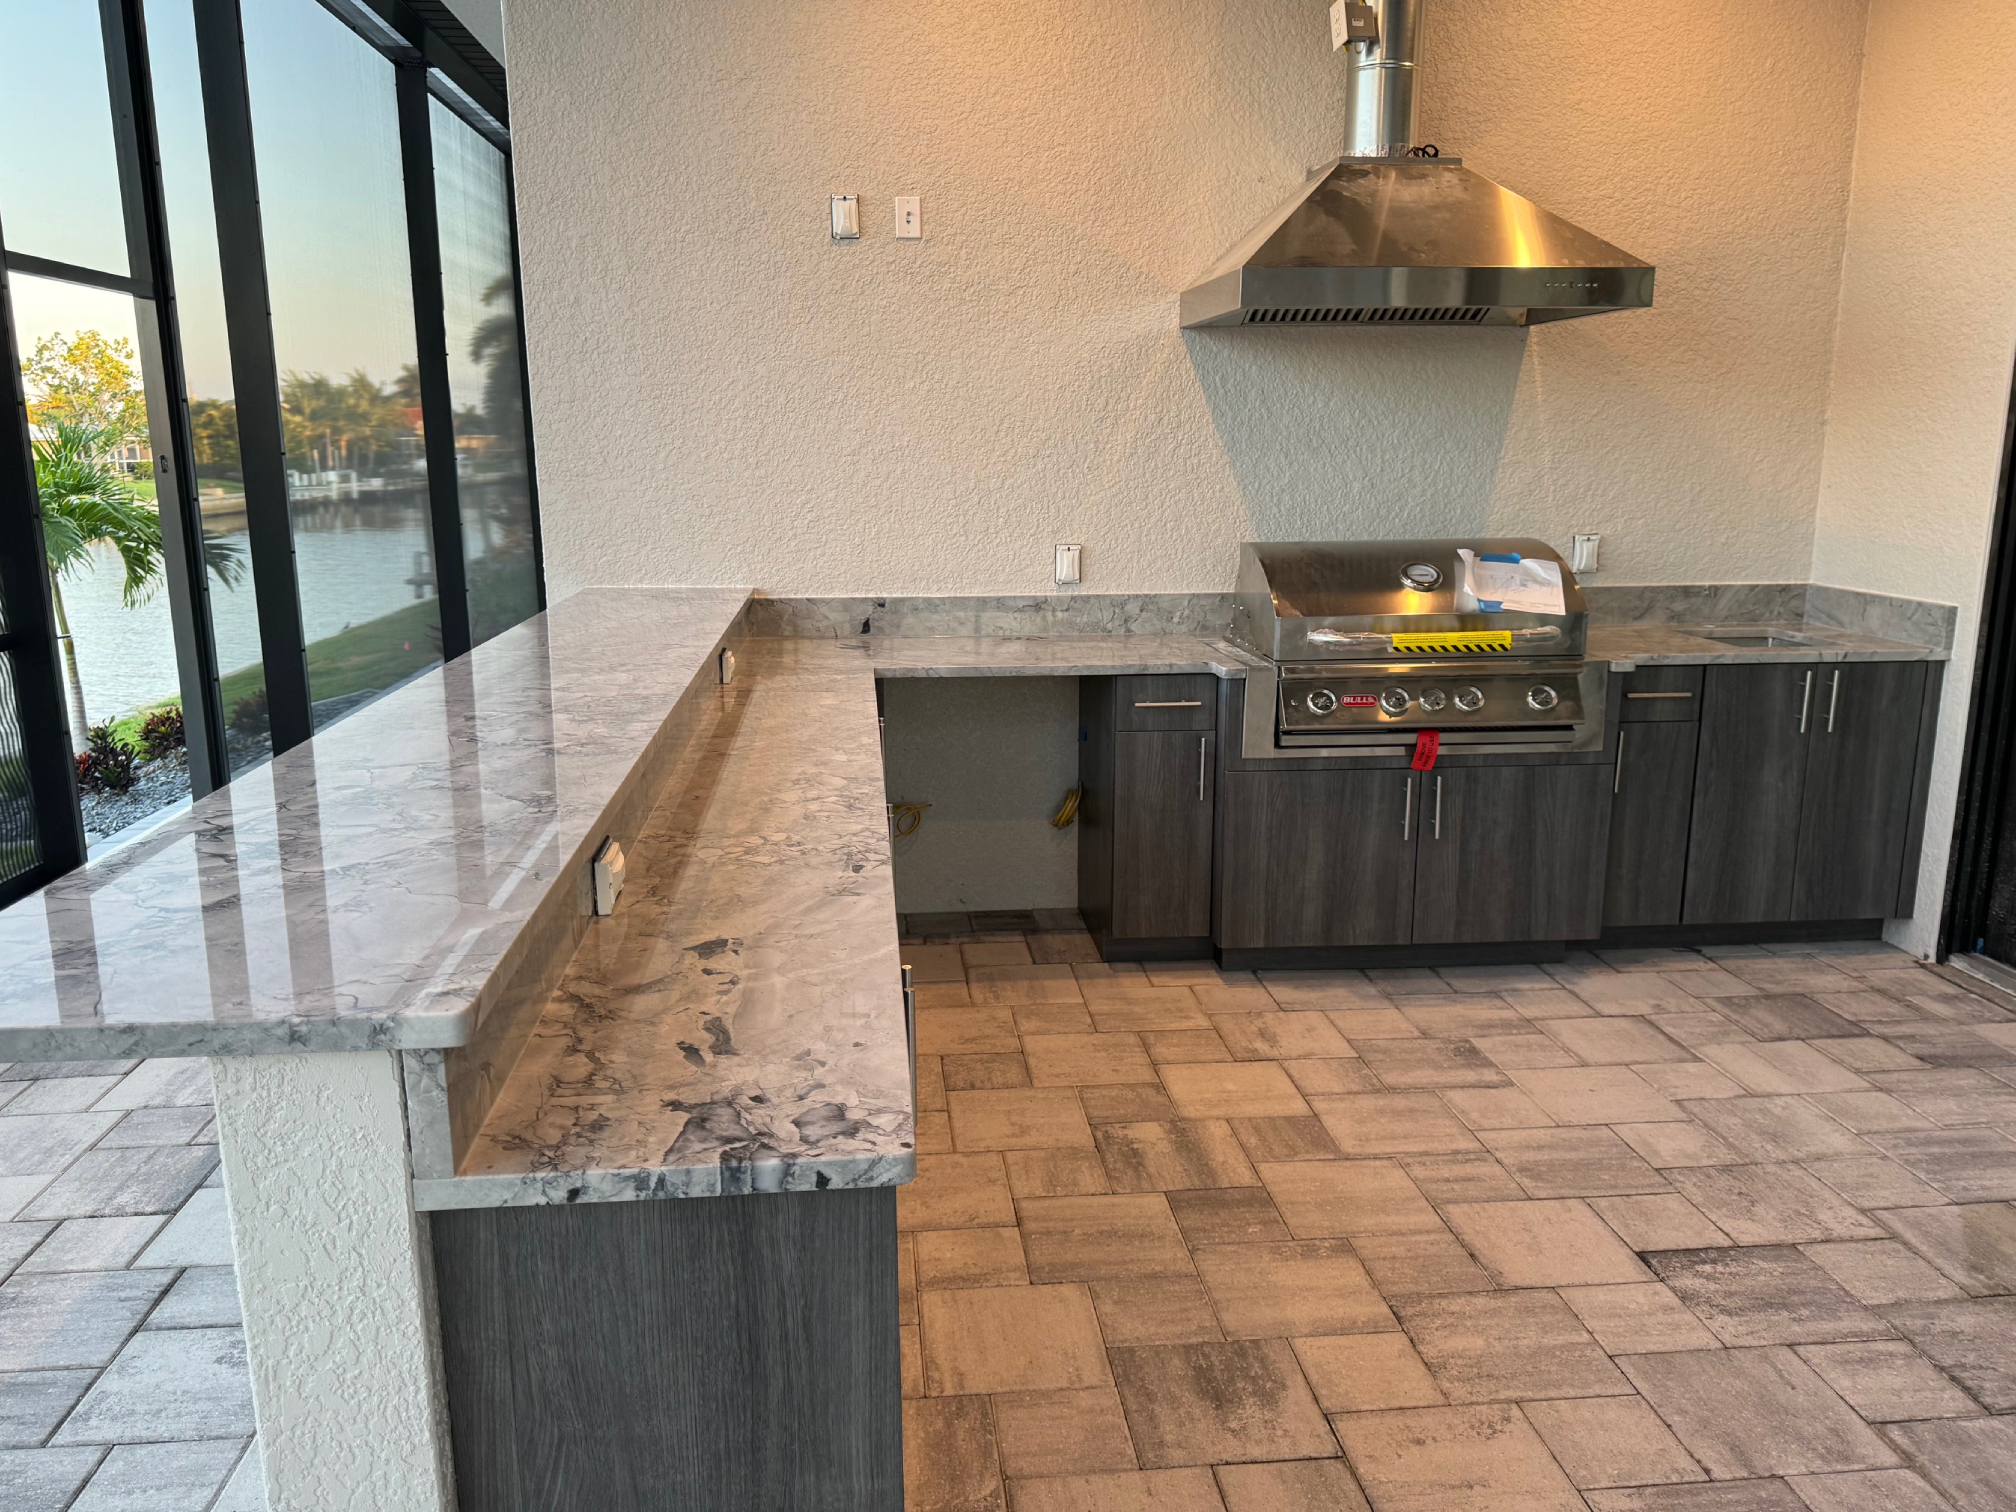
337, 1283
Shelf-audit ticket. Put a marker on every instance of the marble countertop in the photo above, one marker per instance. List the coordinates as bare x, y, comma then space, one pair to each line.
737, 1024
360, 891
1646, 645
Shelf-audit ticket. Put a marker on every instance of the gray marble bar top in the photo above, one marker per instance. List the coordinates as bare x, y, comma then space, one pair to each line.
736, 1025
362, 890
1646, 645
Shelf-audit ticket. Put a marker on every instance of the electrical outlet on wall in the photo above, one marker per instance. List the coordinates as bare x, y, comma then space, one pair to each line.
845, 213
1070, 564
1583, 552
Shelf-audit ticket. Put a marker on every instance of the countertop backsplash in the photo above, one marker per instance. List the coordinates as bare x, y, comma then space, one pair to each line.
842, 618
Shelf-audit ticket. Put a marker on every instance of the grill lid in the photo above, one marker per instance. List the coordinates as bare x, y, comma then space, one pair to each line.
1369, 601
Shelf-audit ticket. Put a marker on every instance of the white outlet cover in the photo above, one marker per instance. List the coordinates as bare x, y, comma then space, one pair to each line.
845, 210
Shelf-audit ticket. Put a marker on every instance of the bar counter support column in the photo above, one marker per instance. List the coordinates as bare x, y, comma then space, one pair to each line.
336, 1283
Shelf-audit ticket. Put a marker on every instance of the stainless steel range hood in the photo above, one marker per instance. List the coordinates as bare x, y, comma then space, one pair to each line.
1383, 237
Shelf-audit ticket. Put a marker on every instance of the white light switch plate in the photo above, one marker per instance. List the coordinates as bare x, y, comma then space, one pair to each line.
909, 218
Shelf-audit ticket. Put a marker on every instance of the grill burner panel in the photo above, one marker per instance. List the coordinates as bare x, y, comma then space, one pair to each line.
1446, 696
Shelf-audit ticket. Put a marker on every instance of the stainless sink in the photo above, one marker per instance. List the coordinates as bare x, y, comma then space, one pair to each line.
1758, 639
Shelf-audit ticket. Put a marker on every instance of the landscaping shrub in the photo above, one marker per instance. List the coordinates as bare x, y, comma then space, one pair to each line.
162, 734
248, 714
107, 766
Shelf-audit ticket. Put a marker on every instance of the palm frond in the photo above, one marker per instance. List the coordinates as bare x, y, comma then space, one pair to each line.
84, 500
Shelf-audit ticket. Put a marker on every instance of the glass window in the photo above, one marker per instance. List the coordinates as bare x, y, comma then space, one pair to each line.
18, 850
206, 362
325, 127
59, 169
94, 469
472, 190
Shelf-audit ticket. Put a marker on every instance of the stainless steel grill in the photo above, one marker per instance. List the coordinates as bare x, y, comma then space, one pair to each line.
1367, 644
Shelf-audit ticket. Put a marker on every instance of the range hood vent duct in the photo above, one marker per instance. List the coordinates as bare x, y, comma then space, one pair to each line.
1384, 235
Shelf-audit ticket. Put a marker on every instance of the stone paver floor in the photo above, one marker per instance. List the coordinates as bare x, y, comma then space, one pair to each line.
1717, 1231
123, 1385
1658, 1231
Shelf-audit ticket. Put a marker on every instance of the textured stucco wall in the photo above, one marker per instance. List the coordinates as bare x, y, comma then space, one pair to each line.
1926, 336
723, 396
336, 1283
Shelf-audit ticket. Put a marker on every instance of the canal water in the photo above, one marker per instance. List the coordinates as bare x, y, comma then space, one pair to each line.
358, 561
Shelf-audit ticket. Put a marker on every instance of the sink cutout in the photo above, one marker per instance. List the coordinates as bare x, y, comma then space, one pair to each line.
1759, 639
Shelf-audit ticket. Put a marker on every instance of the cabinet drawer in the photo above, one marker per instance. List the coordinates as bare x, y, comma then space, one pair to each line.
1660, 693
1184, 702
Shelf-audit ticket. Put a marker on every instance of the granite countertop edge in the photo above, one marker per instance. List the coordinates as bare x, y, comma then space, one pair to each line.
448, 1021
559, 1188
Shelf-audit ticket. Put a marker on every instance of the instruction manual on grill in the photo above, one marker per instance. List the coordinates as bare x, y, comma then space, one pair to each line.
1497, 582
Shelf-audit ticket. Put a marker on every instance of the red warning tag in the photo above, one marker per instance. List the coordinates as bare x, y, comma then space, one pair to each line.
1427, 746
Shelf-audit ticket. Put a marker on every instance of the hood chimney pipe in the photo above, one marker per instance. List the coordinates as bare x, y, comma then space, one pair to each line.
1379, 84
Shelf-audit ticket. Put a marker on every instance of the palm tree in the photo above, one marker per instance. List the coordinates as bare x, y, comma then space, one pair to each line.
494, 343
84, 501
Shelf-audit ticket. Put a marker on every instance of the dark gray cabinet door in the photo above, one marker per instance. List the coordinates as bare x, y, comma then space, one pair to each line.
1749, 780
1652, 798
1862, 738
1161, 815
1316, 858
1512, 853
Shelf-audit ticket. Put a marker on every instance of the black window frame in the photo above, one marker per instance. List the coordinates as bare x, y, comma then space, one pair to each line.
435, 57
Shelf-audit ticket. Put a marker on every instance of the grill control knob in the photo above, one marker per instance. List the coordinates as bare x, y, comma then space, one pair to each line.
1469, 700
1433, 700
1394, 701
1322, 701
1540, 696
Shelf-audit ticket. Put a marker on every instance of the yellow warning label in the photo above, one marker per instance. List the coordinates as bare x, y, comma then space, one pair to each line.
1455, 640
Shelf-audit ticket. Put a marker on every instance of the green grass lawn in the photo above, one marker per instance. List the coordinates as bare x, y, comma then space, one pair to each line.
375, 654
363, 657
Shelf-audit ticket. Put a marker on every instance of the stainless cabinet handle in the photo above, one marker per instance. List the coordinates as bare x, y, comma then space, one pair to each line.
1833, 701
1438, 808
1659, 695
1174, 703
1617, 777
1805, 703
1407, 812
1202, 740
